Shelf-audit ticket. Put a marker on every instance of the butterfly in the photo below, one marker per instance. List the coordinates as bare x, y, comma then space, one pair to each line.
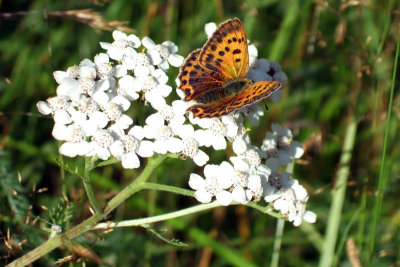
215, 76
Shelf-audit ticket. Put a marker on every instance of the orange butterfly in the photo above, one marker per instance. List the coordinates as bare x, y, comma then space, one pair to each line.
214, 76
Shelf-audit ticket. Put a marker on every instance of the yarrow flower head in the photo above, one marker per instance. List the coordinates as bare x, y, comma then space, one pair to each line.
93, 109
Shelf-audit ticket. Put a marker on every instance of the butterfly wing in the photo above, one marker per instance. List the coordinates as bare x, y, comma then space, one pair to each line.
226, 52
252, 94
196, 80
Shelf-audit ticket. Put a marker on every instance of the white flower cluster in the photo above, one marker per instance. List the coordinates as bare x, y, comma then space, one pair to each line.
92, 97
89, 115
254, 172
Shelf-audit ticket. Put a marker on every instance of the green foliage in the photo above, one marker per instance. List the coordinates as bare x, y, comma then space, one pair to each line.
339, 58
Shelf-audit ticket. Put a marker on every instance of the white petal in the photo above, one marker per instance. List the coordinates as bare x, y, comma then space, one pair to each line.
253, 52
239, 195
202, 196
155, 99
60, 75
273, 164
137, 131
120, 71
99, 118
60, 131
118, 35
218, 142
69, 87
141, 71
310, 217
103, 153
164, 65
117, 149
201, 158
124, 121
284, 158
62, 118
179, 92
175, 145
239, 164
210, 28
239, 146
115, 53
184, 131
196, 182
68, 149
146, 149
155, 120
155, 57
43, 107
175, 60
130, 161
296, 149
148, 43
160, 147
121, 101
134, 40
224, 197
105, 45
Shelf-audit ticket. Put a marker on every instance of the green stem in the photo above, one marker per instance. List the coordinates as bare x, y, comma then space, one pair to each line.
88, 185
382, 179
338, 197
168, 188
135, 186
88, 224
158, 218
280, 225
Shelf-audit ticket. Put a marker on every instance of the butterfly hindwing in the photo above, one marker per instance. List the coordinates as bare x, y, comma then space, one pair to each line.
251, 95
226, 52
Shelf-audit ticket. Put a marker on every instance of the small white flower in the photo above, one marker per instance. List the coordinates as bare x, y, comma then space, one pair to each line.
190, 146
163, 135
254, 188
139, 63
69, 87
292, 203
128, 147
162, 54
101, 143
122, 45
217, 180
279, 144
216, 131
75, 137
126, 88
103, 66
248, 161
153, 87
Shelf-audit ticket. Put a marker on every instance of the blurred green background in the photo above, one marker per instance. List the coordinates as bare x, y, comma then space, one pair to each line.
339, 59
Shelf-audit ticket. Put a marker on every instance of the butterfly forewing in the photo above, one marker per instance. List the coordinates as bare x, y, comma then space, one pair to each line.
226, 52
195, 80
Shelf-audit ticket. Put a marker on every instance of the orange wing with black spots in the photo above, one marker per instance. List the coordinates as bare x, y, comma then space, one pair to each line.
252, 94
226, 52
196, 80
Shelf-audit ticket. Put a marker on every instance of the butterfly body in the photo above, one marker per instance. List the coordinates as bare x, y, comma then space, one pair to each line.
214, 77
